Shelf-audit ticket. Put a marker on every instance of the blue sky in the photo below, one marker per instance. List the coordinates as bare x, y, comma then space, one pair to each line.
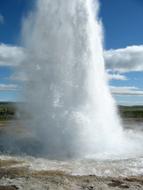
123, 29
13, 13
122, 21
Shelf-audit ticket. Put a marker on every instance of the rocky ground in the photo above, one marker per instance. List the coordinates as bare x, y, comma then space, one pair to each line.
13, 178
22, 178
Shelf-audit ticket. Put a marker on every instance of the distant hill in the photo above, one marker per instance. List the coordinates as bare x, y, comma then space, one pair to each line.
8, 111
131, 111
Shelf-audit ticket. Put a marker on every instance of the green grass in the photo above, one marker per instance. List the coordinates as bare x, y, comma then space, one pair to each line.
8, 111
131, 111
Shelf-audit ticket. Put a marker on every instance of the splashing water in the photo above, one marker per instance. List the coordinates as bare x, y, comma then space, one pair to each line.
68, 99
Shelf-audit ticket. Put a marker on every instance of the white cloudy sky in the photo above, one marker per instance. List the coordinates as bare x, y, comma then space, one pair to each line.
119, 63
123, 44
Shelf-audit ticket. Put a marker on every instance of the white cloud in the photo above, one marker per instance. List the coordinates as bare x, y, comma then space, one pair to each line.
125, 60
11, 55
1, 19
112, 76
8, 87
19, 76
126, 90
117, 61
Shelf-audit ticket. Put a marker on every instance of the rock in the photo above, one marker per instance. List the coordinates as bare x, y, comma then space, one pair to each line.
10, 187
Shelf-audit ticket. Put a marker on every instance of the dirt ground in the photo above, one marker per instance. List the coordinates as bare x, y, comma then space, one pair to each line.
13, 178
22, 178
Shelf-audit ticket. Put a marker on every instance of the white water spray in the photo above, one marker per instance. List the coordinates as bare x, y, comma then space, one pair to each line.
70, 105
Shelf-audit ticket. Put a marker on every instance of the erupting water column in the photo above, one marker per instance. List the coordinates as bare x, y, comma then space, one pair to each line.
70, 105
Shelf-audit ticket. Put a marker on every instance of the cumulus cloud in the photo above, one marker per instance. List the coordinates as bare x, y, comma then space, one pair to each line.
11, 55
125, 60
117, 61
112, 76
1, 19
19, 76
8, 87
126, 90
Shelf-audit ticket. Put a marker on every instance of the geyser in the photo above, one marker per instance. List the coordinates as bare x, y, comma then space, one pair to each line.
71, 108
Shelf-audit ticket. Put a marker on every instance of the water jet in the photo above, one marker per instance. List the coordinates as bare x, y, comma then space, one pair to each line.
67, 95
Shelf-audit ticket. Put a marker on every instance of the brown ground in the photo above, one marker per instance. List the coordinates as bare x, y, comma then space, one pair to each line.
13, 177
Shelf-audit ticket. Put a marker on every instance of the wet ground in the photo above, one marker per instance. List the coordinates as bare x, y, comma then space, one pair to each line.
12, 178
27, 172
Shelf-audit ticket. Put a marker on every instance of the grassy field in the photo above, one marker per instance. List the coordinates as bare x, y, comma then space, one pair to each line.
8, 111
131, 112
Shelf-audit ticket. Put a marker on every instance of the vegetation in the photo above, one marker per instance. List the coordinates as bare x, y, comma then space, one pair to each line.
8, 111
131, 112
